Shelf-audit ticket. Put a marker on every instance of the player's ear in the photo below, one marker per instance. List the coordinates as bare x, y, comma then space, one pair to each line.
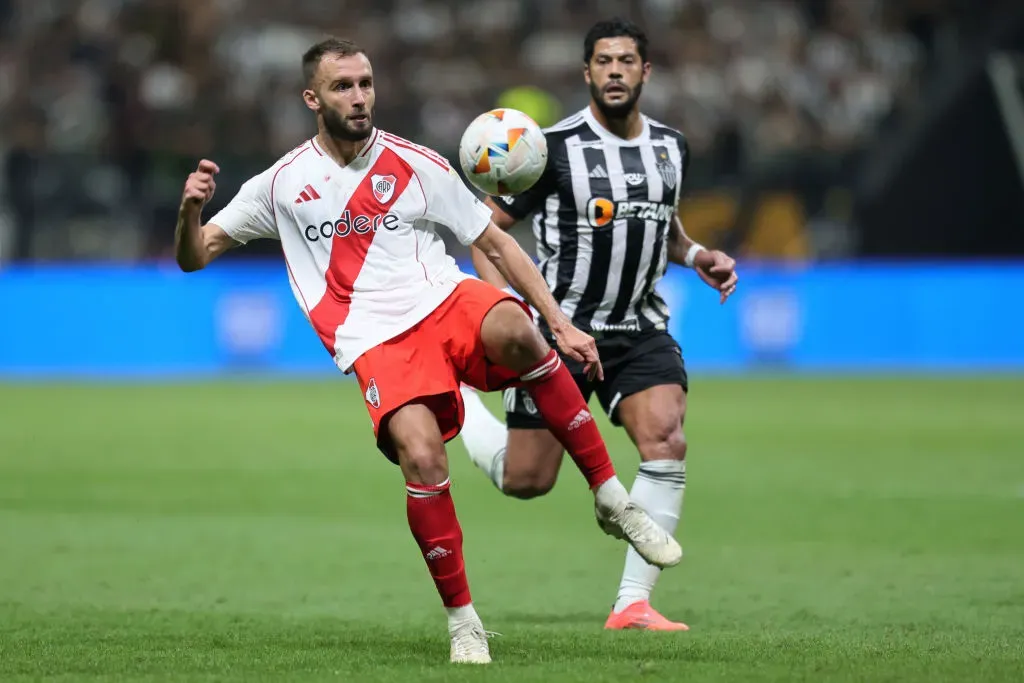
310, 98
586, 73
646, 72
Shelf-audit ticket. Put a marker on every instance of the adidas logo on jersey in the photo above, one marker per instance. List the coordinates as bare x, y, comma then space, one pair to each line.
308, 194
437, 553
582, 418
599, 172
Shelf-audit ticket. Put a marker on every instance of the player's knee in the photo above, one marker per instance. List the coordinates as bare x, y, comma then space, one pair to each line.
526, 343
420, 451
424, 463
526, 486
514, 341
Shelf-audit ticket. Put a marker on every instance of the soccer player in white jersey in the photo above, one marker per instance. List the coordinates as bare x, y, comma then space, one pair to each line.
606, 225
356, 209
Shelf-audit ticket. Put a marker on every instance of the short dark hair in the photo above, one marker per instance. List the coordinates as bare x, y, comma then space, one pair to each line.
331, 46
614, 28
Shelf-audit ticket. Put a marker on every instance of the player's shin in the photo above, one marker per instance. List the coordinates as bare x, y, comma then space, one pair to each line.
437, 532
561, 404
484, 436
436, 529
563, 409
658, 489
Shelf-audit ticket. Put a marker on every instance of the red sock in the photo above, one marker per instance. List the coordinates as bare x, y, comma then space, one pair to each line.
436, 529
561, 404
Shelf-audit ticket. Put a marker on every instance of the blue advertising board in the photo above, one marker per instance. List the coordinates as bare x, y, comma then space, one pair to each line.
154, 321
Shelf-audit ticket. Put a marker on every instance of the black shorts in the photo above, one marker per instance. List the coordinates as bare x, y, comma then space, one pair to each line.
632, 363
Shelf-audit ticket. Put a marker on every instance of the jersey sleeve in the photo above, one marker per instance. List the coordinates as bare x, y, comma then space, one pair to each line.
684, 148
521, 205
250, 214
452, 204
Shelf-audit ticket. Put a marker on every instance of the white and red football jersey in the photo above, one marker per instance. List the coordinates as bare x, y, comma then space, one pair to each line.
364, 259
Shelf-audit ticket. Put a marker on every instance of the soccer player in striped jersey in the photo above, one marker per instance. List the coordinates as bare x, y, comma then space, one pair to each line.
606, 224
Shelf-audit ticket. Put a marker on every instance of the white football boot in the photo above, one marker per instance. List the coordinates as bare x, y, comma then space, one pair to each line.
627, 521
469, 642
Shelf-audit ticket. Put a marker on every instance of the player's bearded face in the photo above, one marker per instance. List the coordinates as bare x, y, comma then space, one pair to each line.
615, 99
616, 74
345, 97
354, 125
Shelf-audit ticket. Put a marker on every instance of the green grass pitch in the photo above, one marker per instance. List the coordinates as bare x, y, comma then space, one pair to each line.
835, 530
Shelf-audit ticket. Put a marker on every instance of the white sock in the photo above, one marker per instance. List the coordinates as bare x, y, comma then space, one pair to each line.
460, 615
658, 489
611, 494
484, 437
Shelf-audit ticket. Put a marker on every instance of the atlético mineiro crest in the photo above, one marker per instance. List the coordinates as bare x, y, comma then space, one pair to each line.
667, 170
372, 395
383, 187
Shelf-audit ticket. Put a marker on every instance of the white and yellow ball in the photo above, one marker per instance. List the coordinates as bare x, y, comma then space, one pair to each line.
503, 152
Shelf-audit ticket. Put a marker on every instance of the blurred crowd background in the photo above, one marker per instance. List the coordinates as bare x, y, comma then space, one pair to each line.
806, 118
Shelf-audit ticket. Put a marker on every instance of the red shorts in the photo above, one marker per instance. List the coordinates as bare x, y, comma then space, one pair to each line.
426, 363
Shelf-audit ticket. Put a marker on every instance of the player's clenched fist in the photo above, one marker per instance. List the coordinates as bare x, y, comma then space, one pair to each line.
200, 186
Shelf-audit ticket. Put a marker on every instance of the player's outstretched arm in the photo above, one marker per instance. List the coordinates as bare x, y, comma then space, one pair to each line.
716, 268
195, 244
515, 266
484, 268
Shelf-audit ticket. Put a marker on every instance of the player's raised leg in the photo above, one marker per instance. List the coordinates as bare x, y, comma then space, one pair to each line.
521, 462
418, 444
654, 420
510, 339
484, 436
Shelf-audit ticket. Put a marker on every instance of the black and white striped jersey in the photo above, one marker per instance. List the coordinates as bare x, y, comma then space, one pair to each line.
602, 211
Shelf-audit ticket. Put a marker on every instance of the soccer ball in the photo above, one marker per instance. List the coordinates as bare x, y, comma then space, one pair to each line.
503, 152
